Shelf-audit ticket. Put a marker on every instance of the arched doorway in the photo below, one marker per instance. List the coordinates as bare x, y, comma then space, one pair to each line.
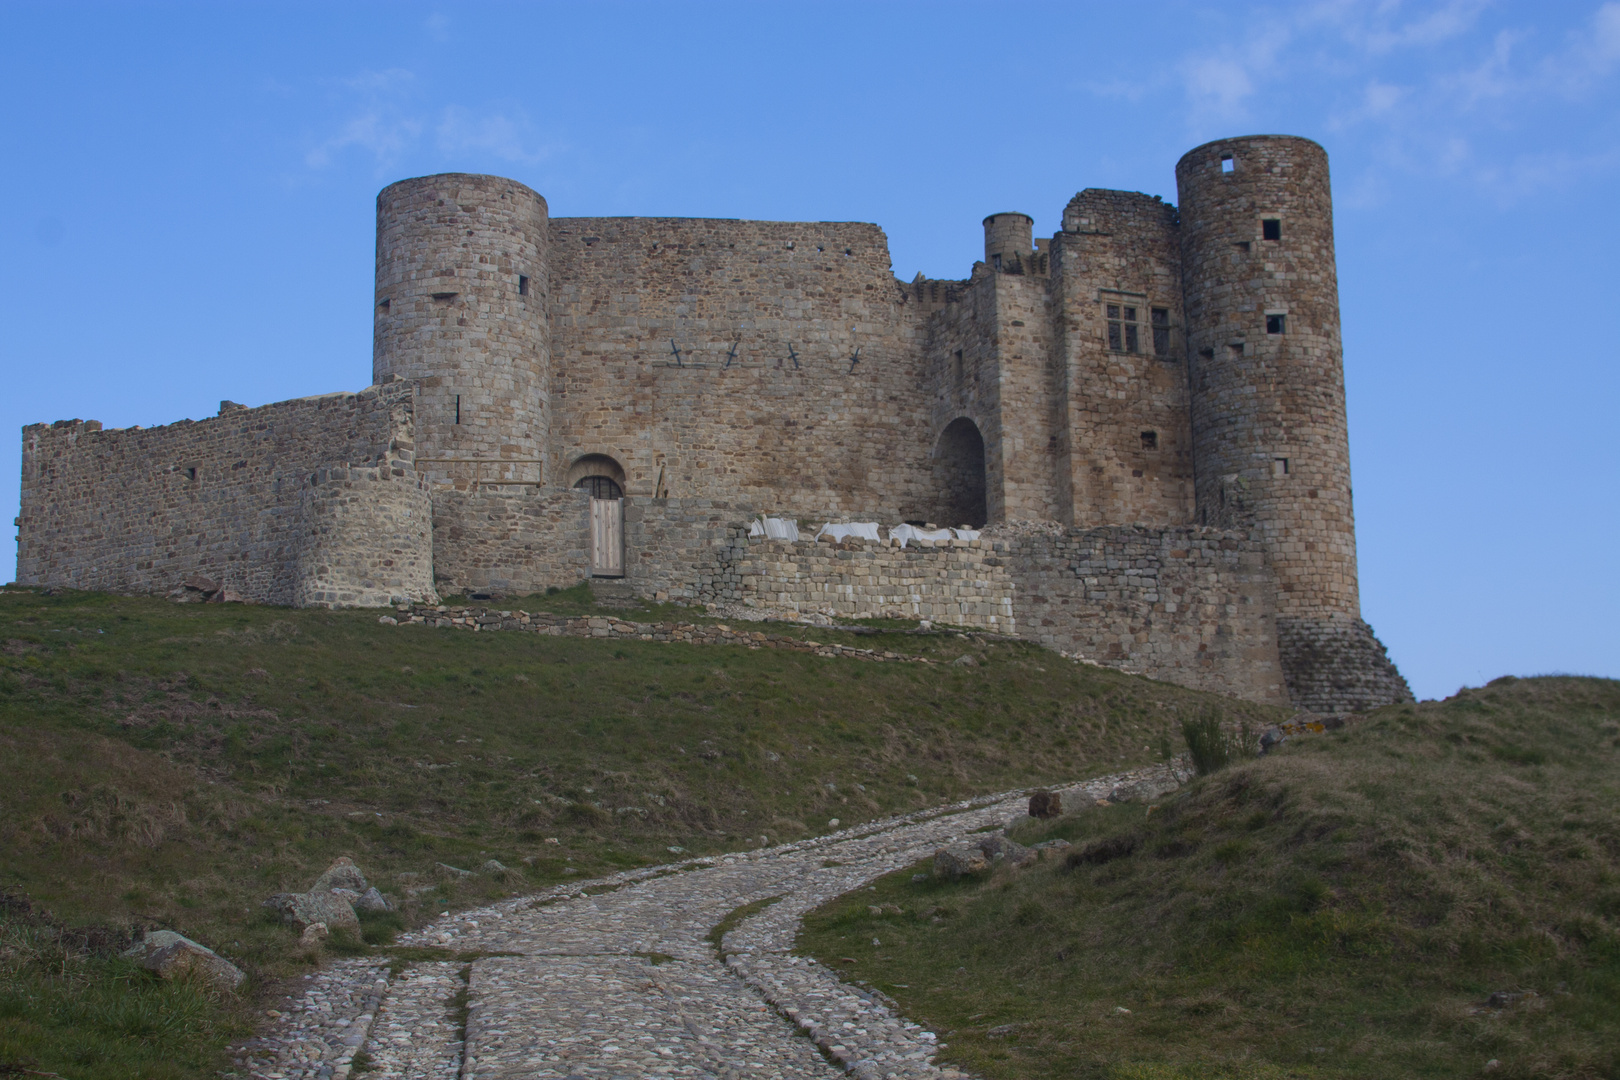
602, 478
959, 474
598, 475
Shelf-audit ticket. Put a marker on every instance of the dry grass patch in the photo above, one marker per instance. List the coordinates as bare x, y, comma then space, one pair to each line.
1344, 908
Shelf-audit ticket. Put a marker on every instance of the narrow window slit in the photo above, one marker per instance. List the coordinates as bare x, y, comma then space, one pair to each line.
523, 285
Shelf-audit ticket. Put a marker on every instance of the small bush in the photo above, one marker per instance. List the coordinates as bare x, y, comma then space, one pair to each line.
1213, 747
1101, 851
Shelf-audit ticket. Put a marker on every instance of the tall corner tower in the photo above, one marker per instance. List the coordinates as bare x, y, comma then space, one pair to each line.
1271, 447
461, 308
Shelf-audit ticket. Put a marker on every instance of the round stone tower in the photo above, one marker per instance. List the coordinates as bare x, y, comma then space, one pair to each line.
1008, 239
461, 308
1270, 444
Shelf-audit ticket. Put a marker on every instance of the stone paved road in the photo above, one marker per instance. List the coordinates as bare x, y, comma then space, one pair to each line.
618, 978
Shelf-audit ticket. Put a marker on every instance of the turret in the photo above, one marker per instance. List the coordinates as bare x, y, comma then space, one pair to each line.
1008, 240
461, 308
1270, 445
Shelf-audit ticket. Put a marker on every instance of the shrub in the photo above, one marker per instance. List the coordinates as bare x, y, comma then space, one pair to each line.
1213, 747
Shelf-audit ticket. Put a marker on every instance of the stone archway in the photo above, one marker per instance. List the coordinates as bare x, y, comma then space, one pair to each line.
959, 480
598, 475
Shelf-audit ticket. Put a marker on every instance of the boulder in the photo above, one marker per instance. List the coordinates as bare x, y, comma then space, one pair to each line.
1143, 790
314, 934
174, 956
446, 870
1045, 804
998, 848
342, 874
957, 860
372, 900
493, 866
300, 910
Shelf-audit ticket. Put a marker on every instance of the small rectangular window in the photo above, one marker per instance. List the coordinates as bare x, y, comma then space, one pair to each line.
958, 366
1235, 348
1279, 466
1123, 330
995, 260
191, 474
1227, 164
1150, 440
383, 305
523, 285
1270, 229
1161, 331
1276, 324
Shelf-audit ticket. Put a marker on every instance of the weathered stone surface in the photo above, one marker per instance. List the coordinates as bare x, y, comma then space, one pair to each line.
1045, 804
998, 848
174, 956
1143, 790
300, 910
958, 860
342, 874
372, 900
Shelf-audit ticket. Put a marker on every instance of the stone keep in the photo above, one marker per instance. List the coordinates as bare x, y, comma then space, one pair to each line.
1146, 409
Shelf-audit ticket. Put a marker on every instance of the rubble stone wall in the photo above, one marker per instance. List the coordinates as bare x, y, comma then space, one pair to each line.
366, 540
143, 509
1189, 605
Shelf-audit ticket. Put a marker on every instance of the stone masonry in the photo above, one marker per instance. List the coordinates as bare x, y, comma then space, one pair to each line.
1158, 391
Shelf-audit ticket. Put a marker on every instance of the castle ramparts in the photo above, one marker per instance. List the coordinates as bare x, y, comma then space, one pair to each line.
1146, 408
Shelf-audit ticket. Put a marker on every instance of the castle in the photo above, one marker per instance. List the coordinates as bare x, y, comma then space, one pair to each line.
1146, 409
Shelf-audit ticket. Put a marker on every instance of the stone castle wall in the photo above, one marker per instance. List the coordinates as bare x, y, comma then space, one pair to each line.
228, 498
1143, 369
767, 402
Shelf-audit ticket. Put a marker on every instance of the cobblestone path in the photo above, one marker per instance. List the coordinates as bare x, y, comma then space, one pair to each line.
620, 977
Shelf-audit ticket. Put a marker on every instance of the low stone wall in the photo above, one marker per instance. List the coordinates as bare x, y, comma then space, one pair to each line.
1191, 606
960, 582
489, 620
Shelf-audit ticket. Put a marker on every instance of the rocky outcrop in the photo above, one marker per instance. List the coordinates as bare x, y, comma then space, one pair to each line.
175, 956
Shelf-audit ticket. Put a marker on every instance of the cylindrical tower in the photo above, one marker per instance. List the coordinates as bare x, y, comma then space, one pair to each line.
1008, 237
461, 307
1270, 443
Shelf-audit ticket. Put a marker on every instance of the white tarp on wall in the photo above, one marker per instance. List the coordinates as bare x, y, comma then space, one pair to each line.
866, 530
774, 528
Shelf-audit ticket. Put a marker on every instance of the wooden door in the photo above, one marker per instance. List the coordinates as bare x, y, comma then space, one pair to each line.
607, 538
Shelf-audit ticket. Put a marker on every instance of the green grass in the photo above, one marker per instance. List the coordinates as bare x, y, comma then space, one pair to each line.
1342, 908
172, 765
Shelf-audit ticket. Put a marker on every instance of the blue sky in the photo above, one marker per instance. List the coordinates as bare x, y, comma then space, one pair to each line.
186, 214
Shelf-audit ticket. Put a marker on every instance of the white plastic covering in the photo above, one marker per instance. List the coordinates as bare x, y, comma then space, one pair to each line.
774, 528
967, 534
906, 533
866, 530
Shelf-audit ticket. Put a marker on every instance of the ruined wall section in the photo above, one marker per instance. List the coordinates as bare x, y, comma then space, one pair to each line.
1126, 433
768, 362
143, 509
1187, 605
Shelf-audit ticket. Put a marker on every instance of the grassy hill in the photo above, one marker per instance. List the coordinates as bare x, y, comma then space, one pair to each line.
172, 765
1346, 907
